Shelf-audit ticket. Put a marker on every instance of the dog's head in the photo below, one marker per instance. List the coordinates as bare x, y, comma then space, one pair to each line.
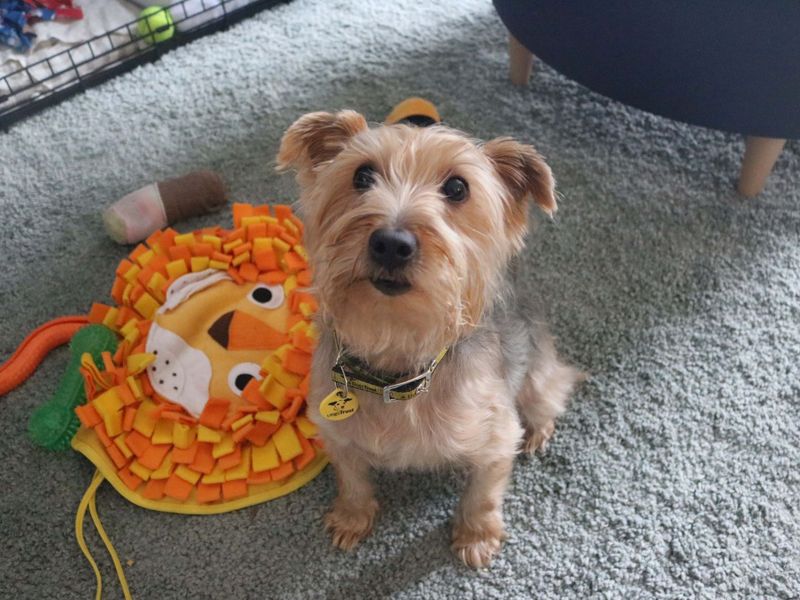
409, 229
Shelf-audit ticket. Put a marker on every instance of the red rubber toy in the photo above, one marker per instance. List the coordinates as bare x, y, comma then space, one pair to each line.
35, 347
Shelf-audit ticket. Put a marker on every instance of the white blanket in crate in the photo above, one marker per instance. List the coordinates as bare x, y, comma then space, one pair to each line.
100, 17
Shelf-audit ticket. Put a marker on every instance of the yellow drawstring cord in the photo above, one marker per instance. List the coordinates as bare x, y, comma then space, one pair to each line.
90, 492
88, 501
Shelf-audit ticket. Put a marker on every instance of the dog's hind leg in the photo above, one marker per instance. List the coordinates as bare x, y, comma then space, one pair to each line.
544, 394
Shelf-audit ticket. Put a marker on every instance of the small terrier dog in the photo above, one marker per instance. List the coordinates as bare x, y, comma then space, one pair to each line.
411, 232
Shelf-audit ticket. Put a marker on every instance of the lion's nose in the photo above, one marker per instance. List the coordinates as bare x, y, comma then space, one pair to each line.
220, 329
237, 330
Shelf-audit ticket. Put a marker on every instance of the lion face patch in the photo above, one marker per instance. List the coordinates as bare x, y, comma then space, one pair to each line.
211, 341
202, 408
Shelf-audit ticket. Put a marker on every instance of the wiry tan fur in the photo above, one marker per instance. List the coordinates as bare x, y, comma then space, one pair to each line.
501, 385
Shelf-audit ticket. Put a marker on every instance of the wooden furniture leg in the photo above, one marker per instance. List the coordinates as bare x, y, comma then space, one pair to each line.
760, 154
521, 61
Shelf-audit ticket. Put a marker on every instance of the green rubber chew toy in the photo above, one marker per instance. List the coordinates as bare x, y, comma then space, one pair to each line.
53, 424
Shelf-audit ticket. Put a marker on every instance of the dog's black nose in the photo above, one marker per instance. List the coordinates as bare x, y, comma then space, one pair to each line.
392, 248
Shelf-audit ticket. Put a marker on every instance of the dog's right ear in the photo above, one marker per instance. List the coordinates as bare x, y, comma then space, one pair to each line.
317, 138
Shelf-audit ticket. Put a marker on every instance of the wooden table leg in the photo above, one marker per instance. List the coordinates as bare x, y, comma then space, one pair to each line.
760, 154
521, 61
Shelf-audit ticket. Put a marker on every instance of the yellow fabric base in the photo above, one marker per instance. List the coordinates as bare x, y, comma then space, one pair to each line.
88, 444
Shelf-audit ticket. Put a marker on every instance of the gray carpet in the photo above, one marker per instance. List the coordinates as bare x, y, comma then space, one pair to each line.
674, 474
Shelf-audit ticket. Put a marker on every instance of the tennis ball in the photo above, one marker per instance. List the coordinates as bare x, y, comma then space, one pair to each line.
155, 24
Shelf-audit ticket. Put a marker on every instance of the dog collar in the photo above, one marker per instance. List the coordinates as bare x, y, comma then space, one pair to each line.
350, 372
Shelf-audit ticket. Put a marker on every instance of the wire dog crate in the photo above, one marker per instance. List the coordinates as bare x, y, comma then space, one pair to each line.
48, 81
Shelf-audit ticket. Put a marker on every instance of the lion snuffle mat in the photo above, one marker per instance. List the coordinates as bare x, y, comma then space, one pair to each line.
188, 393
201, 409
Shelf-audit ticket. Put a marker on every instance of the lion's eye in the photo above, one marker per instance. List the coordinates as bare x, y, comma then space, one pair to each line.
267, 296
240, 375
364, 178
455, 189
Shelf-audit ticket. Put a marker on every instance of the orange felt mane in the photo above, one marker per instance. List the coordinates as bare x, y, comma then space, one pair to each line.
262, 445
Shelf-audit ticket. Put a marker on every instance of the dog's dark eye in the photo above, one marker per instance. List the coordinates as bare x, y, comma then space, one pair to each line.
364, 178
455, 189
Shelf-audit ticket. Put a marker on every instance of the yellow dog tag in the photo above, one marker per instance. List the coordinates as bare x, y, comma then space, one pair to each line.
338, 406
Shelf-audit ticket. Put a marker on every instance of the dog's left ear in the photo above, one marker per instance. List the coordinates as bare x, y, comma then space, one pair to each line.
524, 173
317, 138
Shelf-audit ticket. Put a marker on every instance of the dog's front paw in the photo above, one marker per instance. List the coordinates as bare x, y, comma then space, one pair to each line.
536, 439
349, 525
477, 548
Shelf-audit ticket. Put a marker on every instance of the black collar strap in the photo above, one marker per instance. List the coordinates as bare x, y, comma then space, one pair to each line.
350, 372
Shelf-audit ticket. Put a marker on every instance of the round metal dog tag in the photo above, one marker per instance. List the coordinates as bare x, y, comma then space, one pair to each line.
338, 406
